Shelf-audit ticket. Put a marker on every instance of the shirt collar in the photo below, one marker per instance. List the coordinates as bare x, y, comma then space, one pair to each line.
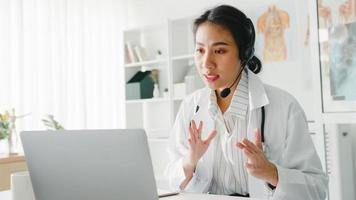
239, 103
212, 105
240, 100
257, 96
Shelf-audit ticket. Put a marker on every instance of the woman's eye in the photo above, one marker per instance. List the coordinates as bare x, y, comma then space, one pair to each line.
199, 50
220, 51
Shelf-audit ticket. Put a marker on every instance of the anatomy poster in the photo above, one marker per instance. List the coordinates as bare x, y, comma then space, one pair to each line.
274, 26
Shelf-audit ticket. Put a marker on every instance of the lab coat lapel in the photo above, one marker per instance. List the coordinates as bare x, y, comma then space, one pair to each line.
257, 99
209, 124
256, 186
257, 93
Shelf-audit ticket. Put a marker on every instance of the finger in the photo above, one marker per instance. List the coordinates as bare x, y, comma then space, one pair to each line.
191, 136
247, 150
200, 125
240, 145
249, 153
251, 157
191, 133
200, 129
194, 127
195, 131
244, 148
210, 137
250, 145
258, 138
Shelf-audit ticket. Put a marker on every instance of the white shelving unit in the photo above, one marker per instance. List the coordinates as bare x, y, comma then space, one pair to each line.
174, 38
146, 63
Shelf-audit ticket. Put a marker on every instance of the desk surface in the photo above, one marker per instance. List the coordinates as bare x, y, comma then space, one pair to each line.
187, 196
6, 195
6, 158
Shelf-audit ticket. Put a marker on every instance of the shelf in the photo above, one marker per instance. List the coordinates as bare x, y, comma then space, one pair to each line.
175, 41
183, 57
6, 158
153, 100
149, 62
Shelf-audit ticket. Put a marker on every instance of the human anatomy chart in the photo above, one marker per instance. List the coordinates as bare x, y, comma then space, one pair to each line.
272, 25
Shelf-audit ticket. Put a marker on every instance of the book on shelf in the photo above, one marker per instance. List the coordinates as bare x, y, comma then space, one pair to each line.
130, 52
140, 53
127, 57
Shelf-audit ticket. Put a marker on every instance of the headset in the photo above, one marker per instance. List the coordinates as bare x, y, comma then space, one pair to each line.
246, 54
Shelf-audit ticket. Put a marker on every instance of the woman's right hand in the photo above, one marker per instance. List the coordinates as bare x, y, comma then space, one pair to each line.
197, 148
197, 145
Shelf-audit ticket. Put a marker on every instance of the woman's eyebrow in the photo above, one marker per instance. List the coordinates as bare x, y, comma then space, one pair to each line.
220, 43
214, 44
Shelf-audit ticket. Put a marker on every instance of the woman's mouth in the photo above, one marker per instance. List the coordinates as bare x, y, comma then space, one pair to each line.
211, 78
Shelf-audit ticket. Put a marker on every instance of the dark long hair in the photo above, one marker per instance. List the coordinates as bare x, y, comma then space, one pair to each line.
241, 29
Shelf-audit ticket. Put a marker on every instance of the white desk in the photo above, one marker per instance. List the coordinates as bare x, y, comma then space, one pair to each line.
6, 195
187, 196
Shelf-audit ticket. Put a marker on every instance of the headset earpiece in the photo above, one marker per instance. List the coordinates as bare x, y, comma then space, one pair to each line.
247, 53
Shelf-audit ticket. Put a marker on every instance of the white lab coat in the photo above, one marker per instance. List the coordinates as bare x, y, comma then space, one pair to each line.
287, 139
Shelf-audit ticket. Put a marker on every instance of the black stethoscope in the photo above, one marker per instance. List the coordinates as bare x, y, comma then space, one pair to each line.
263, 125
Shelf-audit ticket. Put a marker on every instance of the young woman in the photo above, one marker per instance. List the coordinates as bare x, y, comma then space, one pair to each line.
239, 136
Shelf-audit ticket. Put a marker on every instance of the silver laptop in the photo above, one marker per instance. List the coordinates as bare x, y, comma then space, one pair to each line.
89, 165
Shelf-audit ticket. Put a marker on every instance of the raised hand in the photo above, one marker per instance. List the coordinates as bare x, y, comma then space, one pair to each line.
197, 145
197, 148
257, 164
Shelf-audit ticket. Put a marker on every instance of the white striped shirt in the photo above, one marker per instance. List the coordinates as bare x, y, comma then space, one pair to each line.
229, 173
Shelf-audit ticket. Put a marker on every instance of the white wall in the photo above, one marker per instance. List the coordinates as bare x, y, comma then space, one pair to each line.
140, 12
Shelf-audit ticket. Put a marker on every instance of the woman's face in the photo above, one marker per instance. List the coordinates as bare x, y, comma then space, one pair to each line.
216, 56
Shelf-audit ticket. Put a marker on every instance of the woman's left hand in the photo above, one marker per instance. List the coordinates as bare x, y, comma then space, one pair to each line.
257, 164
